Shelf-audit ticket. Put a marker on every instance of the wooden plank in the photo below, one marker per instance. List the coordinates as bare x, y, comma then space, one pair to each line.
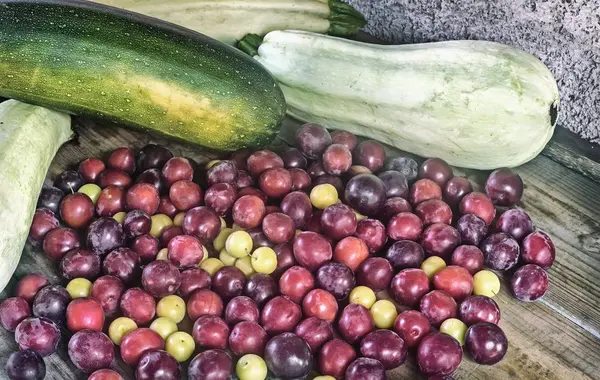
553, 339
575, 153
575, 144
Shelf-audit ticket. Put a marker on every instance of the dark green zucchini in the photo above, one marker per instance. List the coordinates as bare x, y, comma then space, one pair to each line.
94, 60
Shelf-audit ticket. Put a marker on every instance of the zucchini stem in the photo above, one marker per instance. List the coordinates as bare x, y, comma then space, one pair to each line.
250, 43
344, 20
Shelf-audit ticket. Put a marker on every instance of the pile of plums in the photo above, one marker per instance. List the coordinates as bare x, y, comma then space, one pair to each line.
325, 257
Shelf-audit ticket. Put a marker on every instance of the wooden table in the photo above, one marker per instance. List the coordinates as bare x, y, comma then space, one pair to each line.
557, 337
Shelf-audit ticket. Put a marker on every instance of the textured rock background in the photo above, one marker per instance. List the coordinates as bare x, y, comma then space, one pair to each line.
564, 34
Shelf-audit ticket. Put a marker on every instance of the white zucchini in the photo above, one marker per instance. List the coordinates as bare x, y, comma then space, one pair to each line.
230, 20
29, 138
475, 104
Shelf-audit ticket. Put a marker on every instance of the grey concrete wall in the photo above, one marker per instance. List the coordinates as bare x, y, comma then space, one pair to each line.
564, 34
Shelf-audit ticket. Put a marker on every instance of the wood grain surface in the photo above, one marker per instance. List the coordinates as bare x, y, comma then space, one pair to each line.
555, 338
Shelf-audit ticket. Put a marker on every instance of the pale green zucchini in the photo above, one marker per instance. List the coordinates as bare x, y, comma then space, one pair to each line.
230, 20
475, 104
29, 138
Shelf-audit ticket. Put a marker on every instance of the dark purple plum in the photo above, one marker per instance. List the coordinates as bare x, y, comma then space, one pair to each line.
370, 154
229, 282
247, 338
293, 158
436, 170
355, 323
394, 206
211, 365
69, 181
366, 194
259, 239
501, 251
160, 278
193, 279
472, 229
365, 369
405, 165
25, 365
338, 221
51, 302
469, 257
504, 187
395, 183
538, 248
529, 283
50, 198
224, 171
285, 259
316, 170
300, 179
12, 311
136, 223
336, 278
154, 178
439, 354
44, 220
312, 139
38, 334
375, 272
486, 343
344, 138
315, 332
157, 363
297, 206
104, 235
220, 197
475, 309
438, 306
455, 189
261, 288
440, 239
241, 308
152, 156
372, 232
288, 356
210, 331
385, 346
246, 180
108, 290
405, 254
240, 157
515, 222
123, 263
91, 350
202, 222
80, 262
